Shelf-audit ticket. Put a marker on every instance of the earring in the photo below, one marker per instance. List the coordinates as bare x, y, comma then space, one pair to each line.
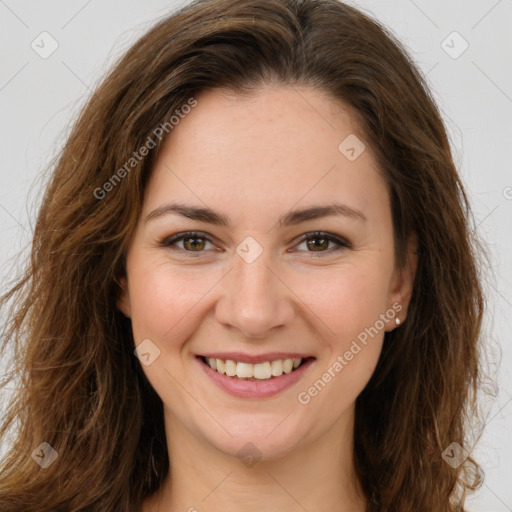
397, 321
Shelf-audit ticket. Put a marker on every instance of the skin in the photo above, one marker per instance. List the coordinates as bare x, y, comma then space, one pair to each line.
253, 159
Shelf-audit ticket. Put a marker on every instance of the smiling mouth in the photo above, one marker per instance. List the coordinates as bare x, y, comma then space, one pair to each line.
267, 370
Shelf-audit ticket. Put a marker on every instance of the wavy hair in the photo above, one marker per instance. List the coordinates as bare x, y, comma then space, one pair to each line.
79, 386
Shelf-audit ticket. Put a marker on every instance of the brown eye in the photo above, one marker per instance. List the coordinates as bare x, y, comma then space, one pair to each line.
192, 242
319, 242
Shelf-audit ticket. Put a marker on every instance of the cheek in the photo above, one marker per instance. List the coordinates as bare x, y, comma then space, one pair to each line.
166, 308
347, 304
163, 299
347, 363
345, 299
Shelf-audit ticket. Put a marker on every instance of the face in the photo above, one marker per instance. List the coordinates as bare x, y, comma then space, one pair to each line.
236, 274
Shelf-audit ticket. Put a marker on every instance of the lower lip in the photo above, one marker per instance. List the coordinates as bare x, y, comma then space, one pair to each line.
253, 389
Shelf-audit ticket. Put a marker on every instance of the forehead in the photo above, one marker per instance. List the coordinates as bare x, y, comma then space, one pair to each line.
279, 146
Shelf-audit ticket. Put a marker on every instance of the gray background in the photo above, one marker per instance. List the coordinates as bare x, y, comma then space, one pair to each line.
39, 97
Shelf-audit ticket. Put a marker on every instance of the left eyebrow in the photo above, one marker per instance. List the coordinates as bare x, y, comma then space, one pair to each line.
204, 214
316, 212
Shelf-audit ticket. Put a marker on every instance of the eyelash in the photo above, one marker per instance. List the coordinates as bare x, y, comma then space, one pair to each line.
343, 244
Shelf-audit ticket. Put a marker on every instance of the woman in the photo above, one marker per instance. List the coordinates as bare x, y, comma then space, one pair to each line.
253, 284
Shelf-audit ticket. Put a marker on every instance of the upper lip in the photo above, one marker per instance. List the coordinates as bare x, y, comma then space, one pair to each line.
254, 358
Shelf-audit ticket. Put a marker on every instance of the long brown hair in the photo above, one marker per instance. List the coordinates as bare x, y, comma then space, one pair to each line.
80, 387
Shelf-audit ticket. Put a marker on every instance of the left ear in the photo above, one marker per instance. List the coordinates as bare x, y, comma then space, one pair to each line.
402, 283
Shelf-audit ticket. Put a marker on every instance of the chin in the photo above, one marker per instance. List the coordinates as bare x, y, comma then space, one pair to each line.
265, 438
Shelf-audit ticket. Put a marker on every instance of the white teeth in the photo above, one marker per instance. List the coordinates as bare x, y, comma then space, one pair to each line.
287, 365
277, 367
244, 370
260, 371
221, 366
230, 368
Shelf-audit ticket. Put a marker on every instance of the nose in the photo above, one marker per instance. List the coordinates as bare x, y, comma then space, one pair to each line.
255, 299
